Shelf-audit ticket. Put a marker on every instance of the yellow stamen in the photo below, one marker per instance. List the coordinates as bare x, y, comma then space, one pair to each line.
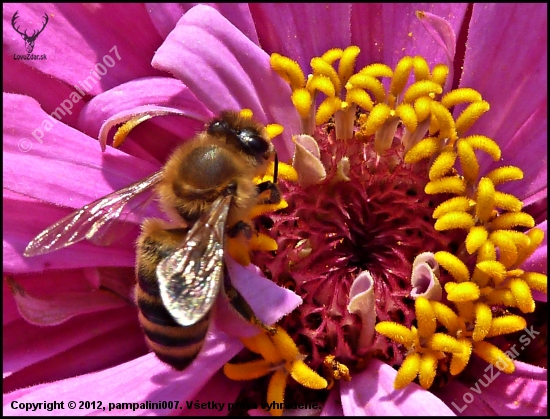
507, 202
422, 107
285, 345
347, 63
508, 249
468, 161
377, 70
326, 109
475, 238
501, 297
396, 332
495, 356
422, 150
332, 55
505, 174
263, 243
485, 144
458, 203
306, 376
320, 66
421, 69
408, 371
459, 361
483, 322
487, 251
465, 291
493, 268
462, 95
536, 281
247, 370
446, 317
522, 294
470, 115
536, 236
370, 83
425, 317
511, 220
444, 343
506, 324
289, 70
124, 130
453, 265
273, 130
421, 88
445, 120
320, 83
442, 165
359, 97
454, 220
401, 75
261, 344
485, 201
246, 113
451, 184
407, 115
302, 101
379, 114
276, 391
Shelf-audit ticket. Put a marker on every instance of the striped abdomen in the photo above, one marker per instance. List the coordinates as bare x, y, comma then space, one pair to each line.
174, 344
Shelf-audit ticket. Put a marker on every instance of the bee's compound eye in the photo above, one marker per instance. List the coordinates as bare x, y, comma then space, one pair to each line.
218, 127
252, 142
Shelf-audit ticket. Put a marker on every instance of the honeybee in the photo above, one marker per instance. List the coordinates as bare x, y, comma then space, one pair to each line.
207, 187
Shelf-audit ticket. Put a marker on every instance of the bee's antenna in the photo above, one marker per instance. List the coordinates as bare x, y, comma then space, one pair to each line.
276, 168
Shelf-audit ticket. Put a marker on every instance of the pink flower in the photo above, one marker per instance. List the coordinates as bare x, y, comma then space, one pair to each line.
95, 352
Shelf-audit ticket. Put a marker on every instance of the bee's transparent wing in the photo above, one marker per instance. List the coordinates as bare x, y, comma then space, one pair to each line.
189, 279
89, 221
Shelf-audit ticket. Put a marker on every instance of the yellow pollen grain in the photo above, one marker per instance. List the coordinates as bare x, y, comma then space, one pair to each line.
453, 265
452, 220
465, 291
507, 202
470, 115
407, 114
493, 268
247, 370
452, 184
332, 55
124, 130
246, 113
370, 83
408, 371
401, 75
321, 83
276, 391
302, 101
421, 88
522, 294
513, 219
468, 161
425, 317
445, 343
486, 144
361, 98
440, 73
304, 375
327, 108
508, 249
288, 70
505, 174
379, 114
442, 165
462, 95
320, 66
427, 370
273, 130
475, 238
396, 332
458, 203
445, 120
422, 107
536, 281
422, 150
446, 317
377, 70
459, 361
494, 356
485, 199
506, 324
346, 67
421, 69
483, 321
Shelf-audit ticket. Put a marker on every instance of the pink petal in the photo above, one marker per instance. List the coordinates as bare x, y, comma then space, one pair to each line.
79, 36
282, 28
510, 71
157, 382
371, 392
245, 80
165, 16
333, 405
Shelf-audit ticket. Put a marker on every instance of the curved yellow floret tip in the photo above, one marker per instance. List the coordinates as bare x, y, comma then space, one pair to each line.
346, 67
446, 317
361, 98
379, 114
465, 291
475, 239
124, 130
468, 161
424, 149
505, 174
453, 265
485, 144
494, 269
246, 113
513, 219
445, 343
320, 66
289, 70
507, 202
332, 55
536, 236
261, 344
247, 371
425, 317
445, 120
421, 88
536, 281
285, 345
459, 361
440, 73
421, 69
483, 321
321, 83
304, 375
470, 115
462, 95
485, 199
506, 324
302, 101
377, 70
287, 172
401, 75
522, 294
370, 83
408, 117
458, 203
327, 108
442, 165
494, 356
273, 130
263, 243
396, 332
451, 184
422, 107
427, 371
408, 371
276, 391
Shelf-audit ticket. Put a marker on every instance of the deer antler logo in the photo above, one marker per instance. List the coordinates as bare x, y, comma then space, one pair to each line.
29, 40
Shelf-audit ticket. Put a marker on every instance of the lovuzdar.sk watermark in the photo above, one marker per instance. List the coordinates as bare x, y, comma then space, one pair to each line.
29, 39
